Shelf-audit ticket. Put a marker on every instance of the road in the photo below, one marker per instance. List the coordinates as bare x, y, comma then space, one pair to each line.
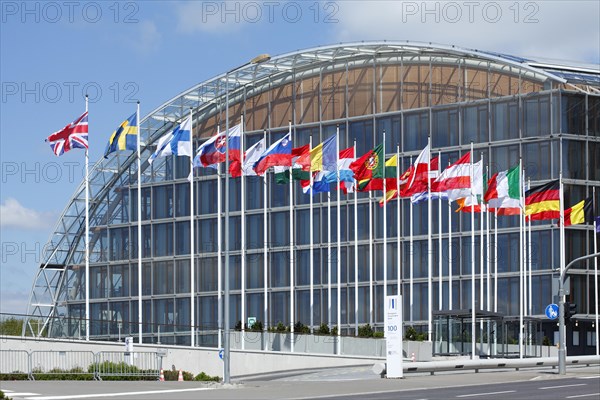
340, 383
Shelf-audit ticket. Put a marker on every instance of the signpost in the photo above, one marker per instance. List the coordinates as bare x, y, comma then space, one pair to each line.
552, 311
393, 336
251, 321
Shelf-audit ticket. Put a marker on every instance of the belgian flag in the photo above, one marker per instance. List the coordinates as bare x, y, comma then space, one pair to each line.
580, 213
543, 202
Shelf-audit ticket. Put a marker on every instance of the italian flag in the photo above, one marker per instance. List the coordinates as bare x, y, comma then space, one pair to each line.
503, 194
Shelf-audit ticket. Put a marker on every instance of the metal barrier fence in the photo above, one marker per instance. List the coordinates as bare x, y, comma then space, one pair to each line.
117, 363
50, 362
14, 362
99, 365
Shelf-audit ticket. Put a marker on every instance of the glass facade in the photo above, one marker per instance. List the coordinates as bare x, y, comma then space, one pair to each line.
508, 113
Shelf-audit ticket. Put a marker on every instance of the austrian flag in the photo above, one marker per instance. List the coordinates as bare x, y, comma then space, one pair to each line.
72, 136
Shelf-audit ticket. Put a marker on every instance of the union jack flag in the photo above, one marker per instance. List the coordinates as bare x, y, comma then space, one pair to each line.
72, 136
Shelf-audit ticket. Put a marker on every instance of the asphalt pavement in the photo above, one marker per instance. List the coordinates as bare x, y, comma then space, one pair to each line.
335, 383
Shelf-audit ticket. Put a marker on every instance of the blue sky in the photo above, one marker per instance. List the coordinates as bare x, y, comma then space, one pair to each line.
121, 52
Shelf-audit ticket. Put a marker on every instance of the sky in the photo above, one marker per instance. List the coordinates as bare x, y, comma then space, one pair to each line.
53, 52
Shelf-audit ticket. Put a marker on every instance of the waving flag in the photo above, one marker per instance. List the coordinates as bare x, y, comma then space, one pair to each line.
543, 202
252, 155
503, 193
282, 173
580, 213
72, 136
368, 167
456, 179
414, 180
278, 154
212, 151
124, 138
176, 142
347, 181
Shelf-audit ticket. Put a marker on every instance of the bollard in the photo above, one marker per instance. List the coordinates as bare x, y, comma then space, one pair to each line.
413, 358
180, 377
162, 375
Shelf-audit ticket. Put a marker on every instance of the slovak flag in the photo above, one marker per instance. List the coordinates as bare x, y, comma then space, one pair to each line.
212, 151
72, 136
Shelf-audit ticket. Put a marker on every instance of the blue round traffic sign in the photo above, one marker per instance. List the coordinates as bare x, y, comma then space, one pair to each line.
552, 311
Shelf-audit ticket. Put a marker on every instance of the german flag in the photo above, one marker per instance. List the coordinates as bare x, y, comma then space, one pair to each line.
543, 202
580, 213
368, 168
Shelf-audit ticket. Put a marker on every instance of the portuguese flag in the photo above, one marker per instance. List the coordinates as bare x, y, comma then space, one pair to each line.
369, 167
543, 202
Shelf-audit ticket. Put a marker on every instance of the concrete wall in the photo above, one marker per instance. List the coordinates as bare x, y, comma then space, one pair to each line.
200, 359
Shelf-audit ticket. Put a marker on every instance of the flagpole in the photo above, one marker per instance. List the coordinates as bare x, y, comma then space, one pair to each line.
355, 254
521, 257
219, 256
489, 250
450, 266
311, 251
595, 267
496, 260
411, 266
371, 258
384, 228
339, 248
87, 236
329, 259
530, 306
481, 276
473, 315
563, 331
440, 275
192, 250
292, 305
429, 246
139, 223
265, 253
398, 226
243, 238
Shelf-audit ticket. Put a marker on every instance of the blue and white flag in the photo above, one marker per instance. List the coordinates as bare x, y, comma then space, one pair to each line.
175, 143
419, 197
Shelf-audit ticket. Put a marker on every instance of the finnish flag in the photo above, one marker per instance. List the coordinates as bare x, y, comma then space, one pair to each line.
177, 142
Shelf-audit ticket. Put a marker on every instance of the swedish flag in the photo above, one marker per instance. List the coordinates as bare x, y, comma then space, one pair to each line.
125, 137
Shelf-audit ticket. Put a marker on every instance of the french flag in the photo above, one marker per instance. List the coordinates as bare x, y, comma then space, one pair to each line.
278, 154
213, 150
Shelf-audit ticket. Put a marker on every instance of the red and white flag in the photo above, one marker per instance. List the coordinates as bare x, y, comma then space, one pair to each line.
456, 179
414, 180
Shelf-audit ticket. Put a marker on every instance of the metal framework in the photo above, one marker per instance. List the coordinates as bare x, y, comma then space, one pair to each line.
64, 251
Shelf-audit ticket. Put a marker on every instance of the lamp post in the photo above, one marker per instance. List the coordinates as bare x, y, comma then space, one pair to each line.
562, 342
226, 342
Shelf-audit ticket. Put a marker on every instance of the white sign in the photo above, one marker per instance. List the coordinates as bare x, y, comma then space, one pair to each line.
393, 336
251, 321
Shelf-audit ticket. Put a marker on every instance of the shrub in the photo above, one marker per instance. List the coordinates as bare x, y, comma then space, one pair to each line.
546, 341
412, 334
378, 334
334, 331
257, 326
173, 375
281, 327
323, 330
299, 327
207, 378
3, 396
365, 331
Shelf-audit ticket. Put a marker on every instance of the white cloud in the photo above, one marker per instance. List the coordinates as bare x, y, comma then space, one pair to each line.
210, 17
147, 38
14, 302
14, 215
568, 30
